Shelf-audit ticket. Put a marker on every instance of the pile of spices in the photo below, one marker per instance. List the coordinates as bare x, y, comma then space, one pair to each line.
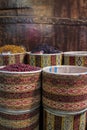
21, 67
45, 49
11, 49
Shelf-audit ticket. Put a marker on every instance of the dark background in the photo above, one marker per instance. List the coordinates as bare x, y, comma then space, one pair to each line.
60, 23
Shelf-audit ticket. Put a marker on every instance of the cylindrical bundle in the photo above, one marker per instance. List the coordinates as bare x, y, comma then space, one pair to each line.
20, 90
56, 121
7, 59
64, 87
25, 120
43, 60
78, 58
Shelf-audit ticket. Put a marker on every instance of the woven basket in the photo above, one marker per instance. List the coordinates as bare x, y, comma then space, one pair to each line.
65, 87
57, 121
8, 59
78, 58
27, 120
43, 60
20, 90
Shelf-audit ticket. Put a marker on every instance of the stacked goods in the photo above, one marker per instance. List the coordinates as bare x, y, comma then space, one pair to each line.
64, 92
44, 55
20, 88
11, 54
78, 58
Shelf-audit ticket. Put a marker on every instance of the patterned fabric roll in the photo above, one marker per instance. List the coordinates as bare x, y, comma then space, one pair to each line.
78, 58
65, 87
28, 120
8, 59
52, 121
43, 60
20, 90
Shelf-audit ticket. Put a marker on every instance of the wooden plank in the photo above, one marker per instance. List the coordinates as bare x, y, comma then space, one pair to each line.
6, 4
70, 8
